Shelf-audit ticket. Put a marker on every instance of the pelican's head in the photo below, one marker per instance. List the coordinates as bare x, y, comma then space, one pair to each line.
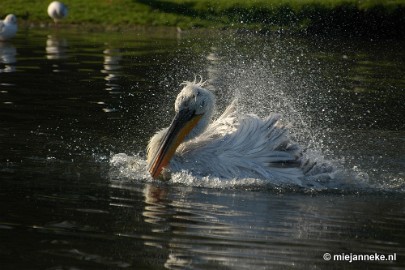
194, 107
198, 102
10, 19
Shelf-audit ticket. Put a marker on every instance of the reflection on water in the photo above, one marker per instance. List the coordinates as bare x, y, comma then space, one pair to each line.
111, 68
8, 54
214, 78
56, 47
65, 206
224, 229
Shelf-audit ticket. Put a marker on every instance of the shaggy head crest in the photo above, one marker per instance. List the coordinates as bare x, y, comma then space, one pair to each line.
200, 83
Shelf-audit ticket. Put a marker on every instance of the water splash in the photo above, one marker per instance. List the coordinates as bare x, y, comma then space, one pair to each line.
125, 167
267, 76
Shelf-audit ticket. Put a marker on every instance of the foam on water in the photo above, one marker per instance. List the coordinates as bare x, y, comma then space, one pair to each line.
134, 168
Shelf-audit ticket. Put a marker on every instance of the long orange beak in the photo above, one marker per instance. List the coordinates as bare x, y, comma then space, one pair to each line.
184, 121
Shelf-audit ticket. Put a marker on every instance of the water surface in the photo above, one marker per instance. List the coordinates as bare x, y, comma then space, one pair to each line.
71, 101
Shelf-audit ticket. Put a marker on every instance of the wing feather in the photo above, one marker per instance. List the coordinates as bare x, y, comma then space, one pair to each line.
242, 146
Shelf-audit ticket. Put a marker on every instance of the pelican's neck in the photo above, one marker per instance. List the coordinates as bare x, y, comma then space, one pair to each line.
201, 126
157, 139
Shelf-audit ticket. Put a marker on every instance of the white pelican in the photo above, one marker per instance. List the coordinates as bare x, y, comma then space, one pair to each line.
231, 146
57, 11
8, 27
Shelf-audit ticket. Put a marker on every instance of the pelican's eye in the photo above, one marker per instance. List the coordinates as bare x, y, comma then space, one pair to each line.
198, 93
202, 103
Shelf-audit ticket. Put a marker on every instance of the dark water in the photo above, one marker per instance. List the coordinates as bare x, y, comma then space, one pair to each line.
70, 101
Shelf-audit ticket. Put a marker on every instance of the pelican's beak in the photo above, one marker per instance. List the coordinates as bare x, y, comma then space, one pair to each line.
184, 121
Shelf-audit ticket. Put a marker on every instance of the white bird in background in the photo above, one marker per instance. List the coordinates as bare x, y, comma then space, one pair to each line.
57, 11
8, 27
232, 146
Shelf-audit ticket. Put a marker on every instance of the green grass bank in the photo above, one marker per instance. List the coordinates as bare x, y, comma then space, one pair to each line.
360, 18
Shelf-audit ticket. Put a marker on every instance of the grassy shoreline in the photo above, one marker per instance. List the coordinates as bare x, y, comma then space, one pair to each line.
377, 18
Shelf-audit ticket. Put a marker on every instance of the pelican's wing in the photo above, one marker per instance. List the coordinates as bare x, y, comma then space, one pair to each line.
226, 123
253, 147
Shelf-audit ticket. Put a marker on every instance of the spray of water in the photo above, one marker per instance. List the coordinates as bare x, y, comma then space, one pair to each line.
263, 82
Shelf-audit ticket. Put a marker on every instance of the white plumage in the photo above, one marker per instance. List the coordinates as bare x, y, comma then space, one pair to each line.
57, 11
8, 27
232, 146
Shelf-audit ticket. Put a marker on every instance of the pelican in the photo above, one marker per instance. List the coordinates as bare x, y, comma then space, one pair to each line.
232, 146
8, 27
57, 11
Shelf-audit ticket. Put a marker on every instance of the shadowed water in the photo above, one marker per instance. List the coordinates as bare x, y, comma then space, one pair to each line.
77, 111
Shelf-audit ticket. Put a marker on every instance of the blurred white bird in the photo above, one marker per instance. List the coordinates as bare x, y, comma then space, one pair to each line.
57, 11
232, 146
8, 27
